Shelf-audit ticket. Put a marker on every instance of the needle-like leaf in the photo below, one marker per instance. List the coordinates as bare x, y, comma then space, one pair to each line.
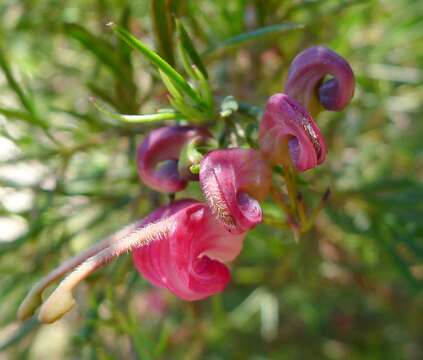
250, 36
137, 119
158, 62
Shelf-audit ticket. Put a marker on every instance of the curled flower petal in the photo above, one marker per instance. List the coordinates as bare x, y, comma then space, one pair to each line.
285, 120
189, 259
180, 247
307, 74
158, 155
233, 182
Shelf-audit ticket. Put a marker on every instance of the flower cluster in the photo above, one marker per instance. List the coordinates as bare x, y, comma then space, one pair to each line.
184, 245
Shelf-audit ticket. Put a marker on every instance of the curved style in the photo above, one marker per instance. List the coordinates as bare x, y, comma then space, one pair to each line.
180, 246
306, 79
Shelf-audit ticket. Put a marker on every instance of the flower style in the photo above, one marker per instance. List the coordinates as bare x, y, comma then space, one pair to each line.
286, 127
158, 155
233, 182
179, 246
307, 74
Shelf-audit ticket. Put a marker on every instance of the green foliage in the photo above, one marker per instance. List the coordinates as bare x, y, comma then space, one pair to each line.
351, 287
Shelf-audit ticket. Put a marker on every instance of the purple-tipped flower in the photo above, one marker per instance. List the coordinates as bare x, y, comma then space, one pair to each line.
306, 79
286, 125
233, 182
158, 156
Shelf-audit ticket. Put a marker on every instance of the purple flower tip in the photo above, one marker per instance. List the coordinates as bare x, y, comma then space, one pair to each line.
306, 79
158, 156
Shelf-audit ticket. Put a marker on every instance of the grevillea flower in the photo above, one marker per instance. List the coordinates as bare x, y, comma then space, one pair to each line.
286, 126
189, 259
306, 79
233, 182
158, 155
180, 247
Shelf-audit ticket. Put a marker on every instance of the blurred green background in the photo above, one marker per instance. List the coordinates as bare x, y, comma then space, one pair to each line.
351, 288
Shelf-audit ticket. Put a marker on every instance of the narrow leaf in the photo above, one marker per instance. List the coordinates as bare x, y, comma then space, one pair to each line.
160, 116
14, 85
174, 92
189, 48
163, 28
157, 61
252, 35
103, 51
186, 63
16, 114
204, 88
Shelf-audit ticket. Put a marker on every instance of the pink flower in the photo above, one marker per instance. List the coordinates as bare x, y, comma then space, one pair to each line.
233, 182
180, 247
158, 155
286, 126
307, 74
188, 260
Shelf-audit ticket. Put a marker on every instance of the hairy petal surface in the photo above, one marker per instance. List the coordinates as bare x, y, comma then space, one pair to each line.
285, 120
158, 155
307, 74
233, 182
188, 261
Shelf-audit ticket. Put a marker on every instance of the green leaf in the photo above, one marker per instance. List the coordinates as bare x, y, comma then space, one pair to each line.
185, 61
252, 35
23, 98
163, 28
158, 62
103, 51
16, 114
137, 119
174, 92
189, 48
205, 90
192, 114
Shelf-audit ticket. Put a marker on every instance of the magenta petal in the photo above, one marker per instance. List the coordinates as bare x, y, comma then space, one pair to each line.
285, 119
307, 74
233, 181
158, 155
189, 260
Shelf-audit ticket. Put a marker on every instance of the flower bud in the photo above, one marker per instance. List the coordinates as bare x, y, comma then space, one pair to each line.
306, 79
158, 156
287, 129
